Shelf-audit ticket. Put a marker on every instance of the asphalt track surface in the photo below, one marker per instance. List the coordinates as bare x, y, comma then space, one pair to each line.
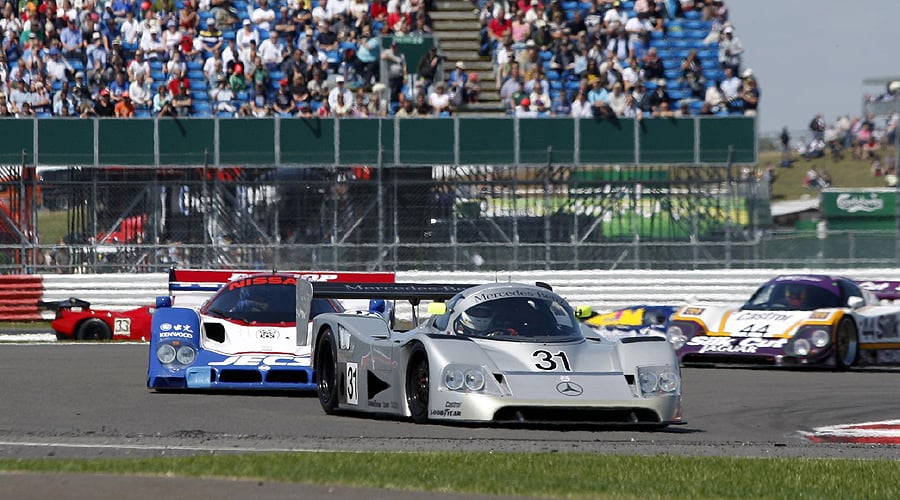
72, 400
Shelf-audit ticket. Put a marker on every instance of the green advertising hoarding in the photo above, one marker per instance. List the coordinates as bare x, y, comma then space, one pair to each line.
874, 208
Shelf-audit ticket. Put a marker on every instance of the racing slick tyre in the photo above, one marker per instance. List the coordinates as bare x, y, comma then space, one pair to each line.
418, 384
93, 329
62, 336
846, 344
327, 372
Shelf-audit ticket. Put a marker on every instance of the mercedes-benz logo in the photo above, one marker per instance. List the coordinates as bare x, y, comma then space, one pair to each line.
569, 389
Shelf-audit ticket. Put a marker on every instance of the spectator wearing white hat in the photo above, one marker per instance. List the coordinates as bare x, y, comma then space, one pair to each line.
731, 50
340, 89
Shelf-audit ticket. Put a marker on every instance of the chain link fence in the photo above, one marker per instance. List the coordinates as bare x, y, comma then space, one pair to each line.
453, 218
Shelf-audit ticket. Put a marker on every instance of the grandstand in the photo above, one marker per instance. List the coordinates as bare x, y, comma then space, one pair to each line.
453, 24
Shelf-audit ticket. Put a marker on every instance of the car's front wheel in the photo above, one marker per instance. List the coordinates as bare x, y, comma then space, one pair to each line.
846, 344
418, 384
326, 372
93, 329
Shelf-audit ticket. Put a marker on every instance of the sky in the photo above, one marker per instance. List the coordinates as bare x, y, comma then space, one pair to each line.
811, 56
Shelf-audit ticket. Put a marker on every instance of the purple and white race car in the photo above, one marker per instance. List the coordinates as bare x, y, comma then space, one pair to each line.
797, 319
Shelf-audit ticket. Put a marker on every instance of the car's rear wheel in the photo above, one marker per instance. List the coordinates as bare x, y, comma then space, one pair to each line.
418, 384
846, 344
326, 372
93, 329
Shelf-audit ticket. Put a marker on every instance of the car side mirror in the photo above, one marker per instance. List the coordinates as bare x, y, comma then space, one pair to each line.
583, 312
856, 302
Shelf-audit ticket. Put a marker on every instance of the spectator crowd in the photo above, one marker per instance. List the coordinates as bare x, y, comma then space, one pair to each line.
198, 57
609, 58
603, 58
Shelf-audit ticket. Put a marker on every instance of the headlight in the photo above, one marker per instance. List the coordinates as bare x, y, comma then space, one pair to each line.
820, 338
658, 380
454, 379
801, 347
463, 378
165, 353
668, 381
186, 355
648, 381
474, 380
676, 336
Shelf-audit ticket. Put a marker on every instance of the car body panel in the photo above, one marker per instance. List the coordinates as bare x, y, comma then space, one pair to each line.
528, 376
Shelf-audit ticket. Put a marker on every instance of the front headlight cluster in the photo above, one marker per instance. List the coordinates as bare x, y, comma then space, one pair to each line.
809, 340
658, 380
679, 333
170, 353
463, 378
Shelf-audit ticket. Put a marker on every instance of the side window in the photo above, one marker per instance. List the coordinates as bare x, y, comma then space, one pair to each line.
848, 289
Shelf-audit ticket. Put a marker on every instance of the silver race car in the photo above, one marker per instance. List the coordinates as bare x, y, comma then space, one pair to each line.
505, 352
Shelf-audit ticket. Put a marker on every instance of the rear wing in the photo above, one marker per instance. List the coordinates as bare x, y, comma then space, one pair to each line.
410, 292
413, 293
883, 290
193, 286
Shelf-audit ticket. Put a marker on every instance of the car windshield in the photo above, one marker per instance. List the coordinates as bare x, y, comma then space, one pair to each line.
266, 303
520, 318
792, 296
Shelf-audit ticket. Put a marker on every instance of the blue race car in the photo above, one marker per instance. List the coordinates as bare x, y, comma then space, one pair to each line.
244, 336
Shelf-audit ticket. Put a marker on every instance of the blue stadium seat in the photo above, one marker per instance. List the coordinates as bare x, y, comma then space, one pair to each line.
142, 113
156, 65
693, 14
196, 74
243, 96
672, 74
556, 85
194, 66
552, 75
158, 76
569, 6
76, 64
200, 95
228, 35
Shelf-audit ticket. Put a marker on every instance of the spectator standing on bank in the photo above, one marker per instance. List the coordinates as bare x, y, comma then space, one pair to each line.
785, 139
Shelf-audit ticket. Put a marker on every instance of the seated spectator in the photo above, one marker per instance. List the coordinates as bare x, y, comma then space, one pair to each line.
140, 92
153, 46
439, 100
162, 105
423, 107
428, 66
653, 68
124, 108
338, 90
407, 110
285, 25
472, 88
58, 68
211, 39
104, 107
715, 98
523, 110
263, 16
243, 39
581, 107
749, 96
237, 81
223, 96
283, 103
182, 101
64, 103
342, 108
272, 52
72, 41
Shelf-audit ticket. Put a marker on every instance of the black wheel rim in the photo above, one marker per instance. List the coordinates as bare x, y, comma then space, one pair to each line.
845, 346
325, 371
418, 385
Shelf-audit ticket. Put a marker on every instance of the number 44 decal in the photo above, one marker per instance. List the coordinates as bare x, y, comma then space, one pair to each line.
750, 331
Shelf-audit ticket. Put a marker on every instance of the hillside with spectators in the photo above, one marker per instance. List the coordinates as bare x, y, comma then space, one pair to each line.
232, 58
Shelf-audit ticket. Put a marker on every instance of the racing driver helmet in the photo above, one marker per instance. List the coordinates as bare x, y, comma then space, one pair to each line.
474, 321
795, 295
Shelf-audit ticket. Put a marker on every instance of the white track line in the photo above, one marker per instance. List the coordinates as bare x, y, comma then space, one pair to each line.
158, 447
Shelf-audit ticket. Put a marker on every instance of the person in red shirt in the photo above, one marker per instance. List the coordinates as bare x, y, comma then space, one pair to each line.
499, 26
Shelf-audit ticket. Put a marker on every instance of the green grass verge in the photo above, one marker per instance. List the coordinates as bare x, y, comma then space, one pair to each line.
845, 173
558, 475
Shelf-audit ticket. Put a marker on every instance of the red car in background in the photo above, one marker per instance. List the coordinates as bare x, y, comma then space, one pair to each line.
76, 320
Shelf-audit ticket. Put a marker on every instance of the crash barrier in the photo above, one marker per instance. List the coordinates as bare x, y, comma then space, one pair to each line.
19, 294
288, 142
602, 290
